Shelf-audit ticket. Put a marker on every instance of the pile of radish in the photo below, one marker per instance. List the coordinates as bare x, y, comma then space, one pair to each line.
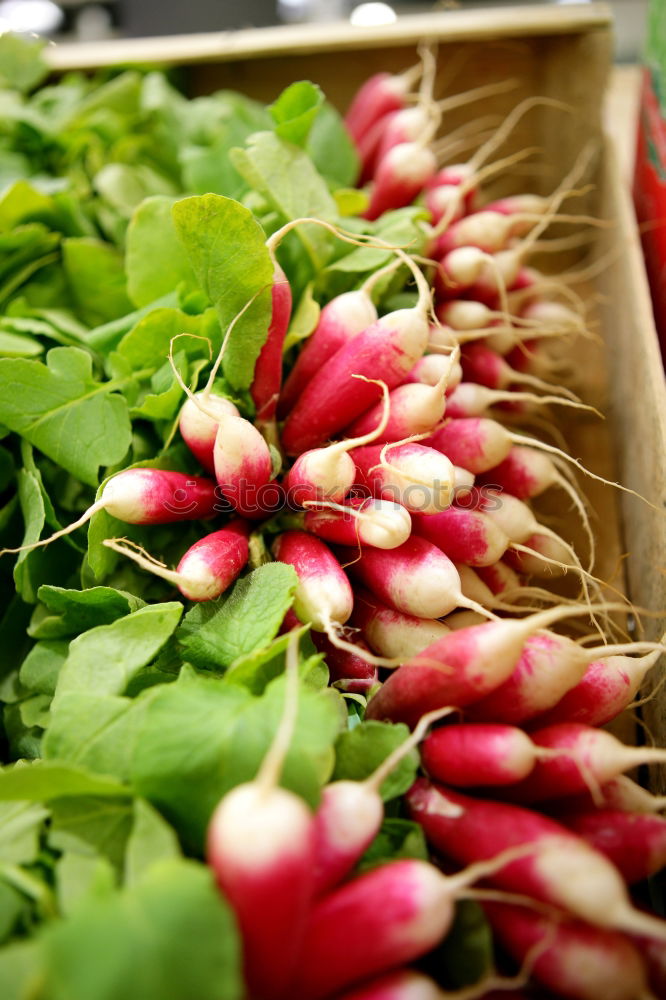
392, 463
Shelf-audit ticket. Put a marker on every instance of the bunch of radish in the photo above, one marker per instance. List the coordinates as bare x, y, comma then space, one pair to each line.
412, 536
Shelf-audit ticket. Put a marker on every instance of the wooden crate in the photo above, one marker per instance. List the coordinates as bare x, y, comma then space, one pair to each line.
556, 52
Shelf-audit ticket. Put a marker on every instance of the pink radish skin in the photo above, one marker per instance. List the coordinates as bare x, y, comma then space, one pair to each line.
323, 595
158, 496
559, 869
474, 755
386, 918
381, 94
549, 666
391, 633
405, 985
587, 753
400, 176
212, 564
499, 578
483, 365
636, 844
419, 478
340, 321
333, 399
475, 443
606, 688
573, 959
459, 669
267, 380
267, 880
381, 524
524, 473
416, 579
243, 465
465, 536
432, 369
198, 430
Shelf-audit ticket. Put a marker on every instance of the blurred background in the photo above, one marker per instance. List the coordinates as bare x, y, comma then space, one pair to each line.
92, 20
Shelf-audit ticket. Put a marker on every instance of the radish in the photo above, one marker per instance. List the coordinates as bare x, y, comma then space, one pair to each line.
414, 408
635, 843
265, 387
323, 595
550, 666
607, 687
500, 578
146, 496
400, 176
348, 671
198, 427
379, 95
268, 880
328, 474
350, 814
378, 921
392, 633
469, 399
460, 668
340, 321
416, 579
465, 536
419, 478
483, 365
475, 443
570, 957
619, 793
207, 569
562, 870
404, 985
384, 352
433, 369
472, 755
379, 523
586, 758
243, 466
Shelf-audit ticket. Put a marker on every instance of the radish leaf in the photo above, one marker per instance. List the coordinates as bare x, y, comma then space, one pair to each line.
226, 249
60, 408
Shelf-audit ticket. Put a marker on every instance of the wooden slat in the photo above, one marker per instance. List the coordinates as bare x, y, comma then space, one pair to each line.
261, 43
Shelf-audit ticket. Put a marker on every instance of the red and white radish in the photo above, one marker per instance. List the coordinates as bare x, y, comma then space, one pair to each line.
392, 633
341, 319
323, 595
586, 757
384, 352
460, 668
468, 756
416, 579
268, 880
634, 842
146, 496
382, 524
419, 478
571, 958
561, 870
207, 569
379, 95
198, 424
